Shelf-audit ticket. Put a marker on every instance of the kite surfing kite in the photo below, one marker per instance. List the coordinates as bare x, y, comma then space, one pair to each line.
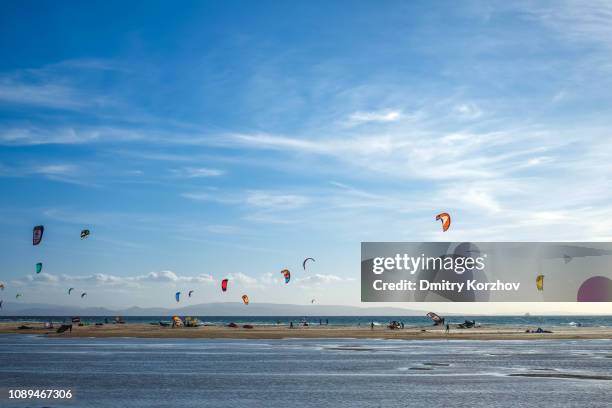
190, 292
224, 284
1, 304
39, 267
446, 220
306, 260
287, 275
436, 319
37, 234
83, 295
540, 282
70, 290
84, 233
177, 296
312, 301
1, 286
17, 296
245, 299
567, 258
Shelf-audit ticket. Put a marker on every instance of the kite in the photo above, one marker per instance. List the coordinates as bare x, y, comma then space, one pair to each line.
305, 260
540, 282
1, 304
224, 284
190, 292
17, 296
177, 296
37, 234
39, 267
567, 258
84, 233
245, 299
1, 286
83, 295
70, 290
287, 275
312, 301
446, 220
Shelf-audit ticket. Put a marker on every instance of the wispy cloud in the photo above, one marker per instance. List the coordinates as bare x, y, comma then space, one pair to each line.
321, 279
197, 172
264, 199
97, 279
375, 116
468, 111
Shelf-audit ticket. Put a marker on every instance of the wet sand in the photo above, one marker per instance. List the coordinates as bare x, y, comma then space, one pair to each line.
279, 332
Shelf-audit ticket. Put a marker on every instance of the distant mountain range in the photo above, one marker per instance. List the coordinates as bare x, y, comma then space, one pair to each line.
206, 309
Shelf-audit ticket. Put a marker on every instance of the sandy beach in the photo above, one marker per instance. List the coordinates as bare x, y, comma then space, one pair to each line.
279, 332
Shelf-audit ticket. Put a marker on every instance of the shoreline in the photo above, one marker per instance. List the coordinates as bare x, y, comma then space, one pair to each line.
281, 332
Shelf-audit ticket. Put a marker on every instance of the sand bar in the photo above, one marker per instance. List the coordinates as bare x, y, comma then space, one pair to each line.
315, 331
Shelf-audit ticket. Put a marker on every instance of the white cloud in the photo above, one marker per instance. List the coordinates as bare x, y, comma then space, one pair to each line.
113, 280
271, 200
243, 279
56, 169
468, 111
321, 279
197, 172
375, 116
41, 94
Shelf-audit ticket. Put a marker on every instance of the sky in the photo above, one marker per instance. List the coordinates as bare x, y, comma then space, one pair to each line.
234, 139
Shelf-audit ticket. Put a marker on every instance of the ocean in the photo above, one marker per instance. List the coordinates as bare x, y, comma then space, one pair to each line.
130, 372
409, 321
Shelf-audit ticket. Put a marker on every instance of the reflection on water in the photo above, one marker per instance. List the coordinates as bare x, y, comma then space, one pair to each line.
308, 372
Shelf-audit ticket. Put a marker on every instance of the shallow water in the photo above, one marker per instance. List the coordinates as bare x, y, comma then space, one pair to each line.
307, 372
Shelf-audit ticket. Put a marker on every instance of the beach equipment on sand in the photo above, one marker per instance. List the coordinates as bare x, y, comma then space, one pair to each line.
436, 319
245, 299
446, 220
176, 321
37, 234
305, 260
224, 284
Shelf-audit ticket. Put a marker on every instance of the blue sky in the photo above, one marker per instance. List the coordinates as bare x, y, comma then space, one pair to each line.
237, 138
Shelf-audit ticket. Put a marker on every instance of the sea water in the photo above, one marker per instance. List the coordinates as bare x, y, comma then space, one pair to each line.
129, 372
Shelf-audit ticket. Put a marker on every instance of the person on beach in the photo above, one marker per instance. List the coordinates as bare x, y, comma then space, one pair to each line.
447, 328
371, 325
291, 325
402, 325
